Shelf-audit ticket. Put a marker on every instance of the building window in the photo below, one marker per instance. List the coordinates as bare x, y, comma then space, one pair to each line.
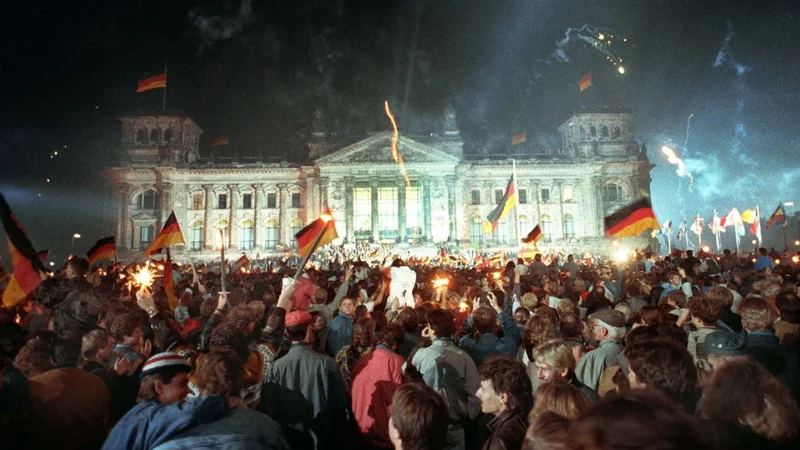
612, 192
362, 212
617, 133
248, 232
148, 201
271, 241
413, 211
502, 232
569, 226
294, 228
197, 201
145, 236
498, 196
296, 200
272, 200
476, 231
523, 196
167, 135
196, 236
524, 226
547, 228
222, 201
568, 195
140, 135
605, 131
154, 135
476, 196
545, 195
593, 132
247, 201
387, 212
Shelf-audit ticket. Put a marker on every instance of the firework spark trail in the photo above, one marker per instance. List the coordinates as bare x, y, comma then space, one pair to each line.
686, 141
396, 154
725, 57
675, 160
599, 39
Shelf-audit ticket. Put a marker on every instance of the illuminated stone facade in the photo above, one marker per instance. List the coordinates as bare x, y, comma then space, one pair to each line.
260, 205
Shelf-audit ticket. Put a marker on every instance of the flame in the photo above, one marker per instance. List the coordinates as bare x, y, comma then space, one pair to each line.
463, 306
795, 259
144, 277
496, 275
395, 154
18, 319
440, 282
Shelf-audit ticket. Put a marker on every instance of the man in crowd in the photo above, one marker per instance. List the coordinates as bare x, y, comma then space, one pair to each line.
506, 393
607, 328
487, 343
555, 361
418, 413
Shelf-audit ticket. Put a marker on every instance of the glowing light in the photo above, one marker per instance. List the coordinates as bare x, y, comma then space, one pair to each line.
673, 159
777, 262
48, 180
621, 256
621, 70
601, 36
244, 270
440, 282
496, 275
144, 277
754, 260
122, 276
76, 236
795, 259
326, 218
706, 248
55, 152
754, 242
52, 264
395, 154
18, 319
797, 243
463, 306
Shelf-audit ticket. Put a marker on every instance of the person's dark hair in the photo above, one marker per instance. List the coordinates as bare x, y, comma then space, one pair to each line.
789, 306
361, 313
208, 307
665, 367
228, 335
640, 334
705, 309
408, 318
509, 377
547, 432
391, 336
241, 316
79, 265
638, 419
34, 357
441, 322
92, 342
124, 325
147, 387
651, 315
671, 332
419, 414
66, 353
485, 319
721, 295
220, 373
363, 336
570, 326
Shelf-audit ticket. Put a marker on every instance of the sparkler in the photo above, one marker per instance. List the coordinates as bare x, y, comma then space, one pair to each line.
440, 282
395, 154
673, 159
463, 306
496, 275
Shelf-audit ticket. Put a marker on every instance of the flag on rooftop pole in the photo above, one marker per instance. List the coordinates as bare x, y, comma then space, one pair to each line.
154, 82
519, 138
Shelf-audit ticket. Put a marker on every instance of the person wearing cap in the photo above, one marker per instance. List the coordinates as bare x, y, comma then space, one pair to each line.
723, 346
608, 328
312, 414
161, 413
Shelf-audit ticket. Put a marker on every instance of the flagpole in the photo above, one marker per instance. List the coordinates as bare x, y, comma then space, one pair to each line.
164, 104
222, 260
758, 219
669, 243
516, 207
310, 252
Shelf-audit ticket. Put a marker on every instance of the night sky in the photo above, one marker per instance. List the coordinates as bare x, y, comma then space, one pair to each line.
258, 69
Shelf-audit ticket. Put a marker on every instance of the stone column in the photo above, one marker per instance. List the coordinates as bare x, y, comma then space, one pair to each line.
282, 219
257, 188
489, 191
401, 210
535, 197
451, 206
125, 222
349, 184
559, 185
426, 206
233, 199
597, 190
325, 182
208, 229
373, 185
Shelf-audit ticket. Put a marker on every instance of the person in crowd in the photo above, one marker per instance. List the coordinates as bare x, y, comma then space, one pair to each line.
362, 343
506, 393
787, 329
728, 318
661, 365
724, 346
608, 328
486, 343
418, 413
555, 361
560, 398
341, 328
704, 313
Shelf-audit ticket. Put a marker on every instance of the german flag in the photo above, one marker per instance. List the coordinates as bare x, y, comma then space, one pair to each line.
519, 138
585, 82
324, 227
169, 286
631, 220
534, 236
222, 140
778, 216
241, 262
155, 82
170, 235
508, 201
27, 265
105, 248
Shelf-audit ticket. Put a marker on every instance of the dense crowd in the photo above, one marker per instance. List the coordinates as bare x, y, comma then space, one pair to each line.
556, 353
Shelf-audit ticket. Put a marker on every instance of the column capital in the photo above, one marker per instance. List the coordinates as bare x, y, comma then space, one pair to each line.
349, 181
257, 186
208, 187
373, 183
451, 180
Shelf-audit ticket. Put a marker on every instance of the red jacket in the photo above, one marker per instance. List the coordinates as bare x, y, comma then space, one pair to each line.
303, 294
374, 380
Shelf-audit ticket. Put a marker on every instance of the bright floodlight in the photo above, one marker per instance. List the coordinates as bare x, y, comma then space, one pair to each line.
621, 70
754, 242
76, 236
788, 204
621, 256
706, 248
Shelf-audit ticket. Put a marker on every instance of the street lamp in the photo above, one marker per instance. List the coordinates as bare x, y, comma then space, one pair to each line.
74, 236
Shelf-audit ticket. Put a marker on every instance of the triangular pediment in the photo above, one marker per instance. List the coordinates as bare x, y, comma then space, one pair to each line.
143, 217
377, 149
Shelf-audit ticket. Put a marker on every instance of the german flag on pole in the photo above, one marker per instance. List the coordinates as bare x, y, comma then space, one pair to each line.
519, 138
105, 248
155, 82
170, 235
324, 228
241, 262
222, 140
534, 236
778, 216
27, 265
585, 82
631, 220
508, 201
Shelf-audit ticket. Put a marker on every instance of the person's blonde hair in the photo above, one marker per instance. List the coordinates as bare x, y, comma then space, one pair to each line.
561, 398
565, 306
555, 354
530, 300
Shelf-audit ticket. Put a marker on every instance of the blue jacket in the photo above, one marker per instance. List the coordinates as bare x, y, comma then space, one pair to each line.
340, 334
488, 344
151, 423
241, 429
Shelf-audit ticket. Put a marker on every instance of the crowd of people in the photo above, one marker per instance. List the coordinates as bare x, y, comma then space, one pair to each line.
558, 353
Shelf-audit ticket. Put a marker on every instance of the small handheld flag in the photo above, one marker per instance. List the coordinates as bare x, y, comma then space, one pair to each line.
170, 235
502, 209
105, 248
631, 220
27, 265
534, 236
316, 234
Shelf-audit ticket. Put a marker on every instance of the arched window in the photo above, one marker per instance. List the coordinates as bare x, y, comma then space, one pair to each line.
140, 135
547, 228
593, 131
605, 131
617, 132
294, 227
154, 135
569, 226
167, 135
196, 235
612, 192
502, 232
247, 234
147, 201
271, 234
476, 231
223, 225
